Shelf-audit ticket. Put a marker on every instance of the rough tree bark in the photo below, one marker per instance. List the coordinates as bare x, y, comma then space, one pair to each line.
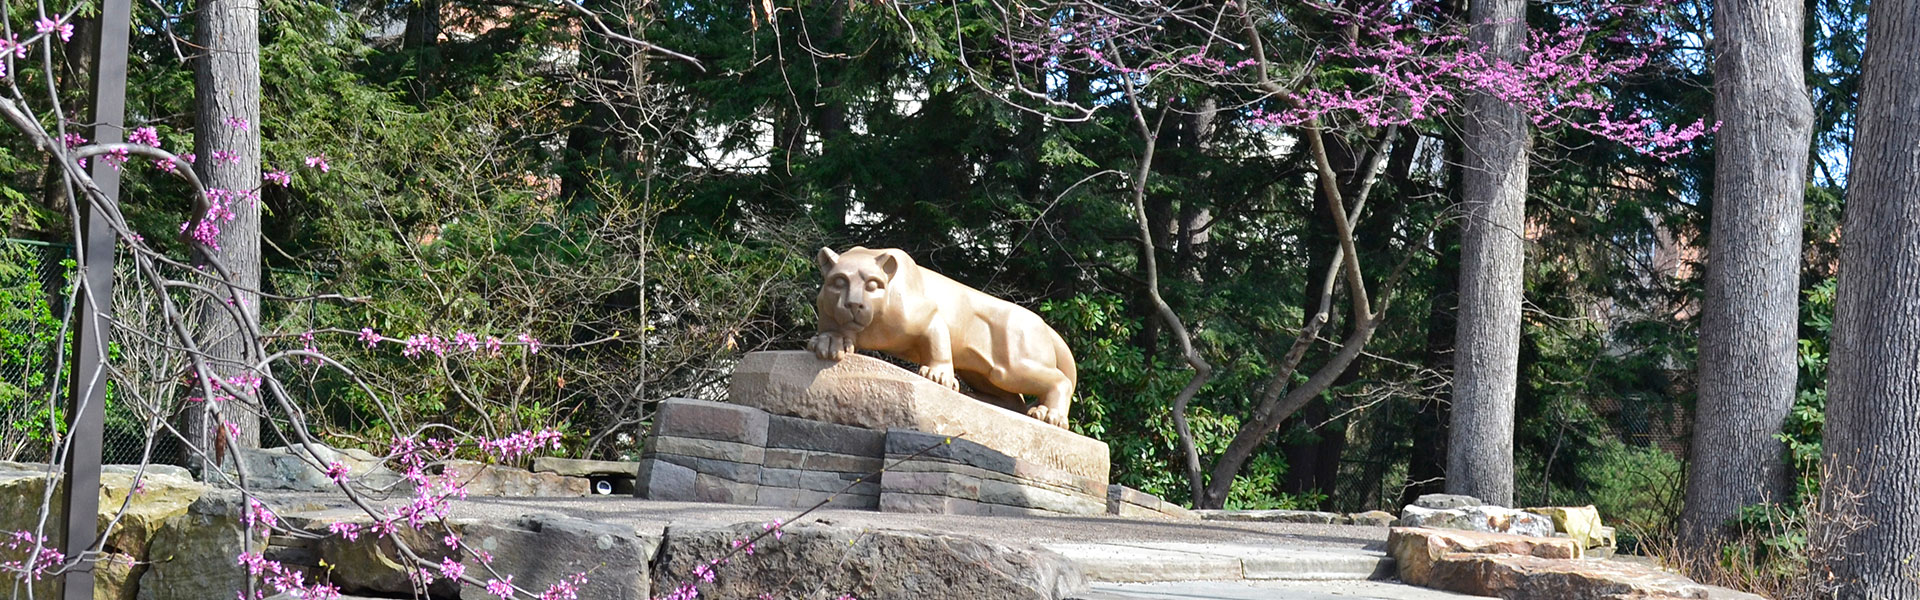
1872, 433
1750, 319
227, 120
1492, 255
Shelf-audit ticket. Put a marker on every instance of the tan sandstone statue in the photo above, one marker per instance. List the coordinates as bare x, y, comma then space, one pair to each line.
880, 300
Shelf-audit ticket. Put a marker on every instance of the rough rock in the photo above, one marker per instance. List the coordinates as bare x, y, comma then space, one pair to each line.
1581, 523
1517, 577
370, 564
867, 392
871, 565
1416, 550
585, 468
1488, 518
116, 577
1270, 516
541, 550
1372, 518
508, 482
293, 468
1446, 501
162, 493
193, 553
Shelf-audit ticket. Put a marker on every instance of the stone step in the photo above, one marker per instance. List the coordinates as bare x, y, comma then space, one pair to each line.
1141, 562
1267, 590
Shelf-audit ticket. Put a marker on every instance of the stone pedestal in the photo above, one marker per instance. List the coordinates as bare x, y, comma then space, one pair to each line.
866, 392
801, 431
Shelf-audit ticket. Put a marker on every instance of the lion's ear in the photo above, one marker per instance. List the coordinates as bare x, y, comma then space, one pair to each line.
890, 262
826, 259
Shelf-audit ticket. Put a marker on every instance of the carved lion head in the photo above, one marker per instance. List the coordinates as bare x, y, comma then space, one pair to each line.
854, 286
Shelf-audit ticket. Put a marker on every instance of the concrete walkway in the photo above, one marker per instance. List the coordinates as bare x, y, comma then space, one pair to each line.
1267, 590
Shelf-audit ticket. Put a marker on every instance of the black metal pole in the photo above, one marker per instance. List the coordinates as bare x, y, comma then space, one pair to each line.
87, 393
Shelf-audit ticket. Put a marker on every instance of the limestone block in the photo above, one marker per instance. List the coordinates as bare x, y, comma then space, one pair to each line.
795, 498
820, 436
713, 488
1177, 511
662, 480
734, 471
161, 494
898, 502
371, 564
116, 577
709, 449
1372, 518
585, 468
783, 458
867, 392
820, 481
938, 466
1446, 501
812, 559
701, 419
1121, 493
1026, 496
1493, 519
541, 550
1415, 550
951, 485
1521, 576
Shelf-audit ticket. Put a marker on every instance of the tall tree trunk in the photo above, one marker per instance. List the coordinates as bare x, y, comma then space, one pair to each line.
1750, 319
227, 140
1492, 255
1873, 390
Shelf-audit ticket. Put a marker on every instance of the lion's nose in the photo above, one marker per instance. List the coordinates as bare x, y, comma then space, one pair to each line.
856, 305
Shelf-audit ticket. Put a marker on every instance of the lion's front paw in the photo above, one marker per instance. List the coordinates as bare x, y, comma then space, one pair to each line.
1056, 418
941, 374
830, 346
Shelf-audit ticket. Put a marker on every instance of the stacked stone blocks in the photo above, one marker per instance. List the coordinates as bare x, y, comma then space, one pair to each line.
717, 452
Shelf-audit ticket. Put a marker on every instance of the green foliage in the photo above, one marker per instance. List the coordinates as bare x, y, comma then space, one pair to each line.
28, 334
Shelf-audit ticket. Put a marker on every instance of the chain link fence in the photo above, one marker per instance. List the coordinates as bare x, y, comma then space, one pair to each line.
35, 280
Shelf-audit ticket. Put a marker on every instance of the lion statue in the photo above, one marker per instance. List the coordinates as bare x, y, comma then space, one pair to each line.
881, 300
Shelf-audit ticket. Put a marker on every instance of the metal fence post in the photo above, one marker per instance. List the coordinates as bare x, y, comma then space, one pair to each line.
87, 394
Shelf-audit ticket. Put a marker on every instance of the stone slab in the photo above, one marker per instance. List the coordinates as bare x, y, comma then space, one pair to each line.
819, 481
867, 392
895, 502
713, 488
1271, 516
784, 458
797, 498
708, 449
930, 483
1191, 561
820, 436
1063, 482
1026, 496
1267, 590
736, 471
702, 419
662, 480
1131, 563
574, 467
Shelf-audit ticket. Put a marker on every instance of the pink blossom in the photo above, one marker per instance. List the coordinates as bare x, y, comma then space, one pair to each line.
350, 531
337, 472
46, 25
236, 122
452, 569
279, 177
501, 587
533, 345
319, 162
226, 156
145, 136
367, 335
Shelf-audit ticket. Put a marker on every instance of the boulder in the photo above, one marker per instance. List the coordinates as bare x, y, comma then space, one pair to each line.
371, 564
1446, 501
192, 555
811, 559
1487, 518
1271, 516
507, 482
542, 550
1372, 518
162, 493
1416, 550
1581, 523
1520, 576
295, 468
116, 577
867, 392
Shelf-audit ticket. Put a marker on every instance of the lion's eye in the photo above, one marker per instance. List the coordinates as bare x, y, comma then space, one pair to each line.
873, 285
839, 282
